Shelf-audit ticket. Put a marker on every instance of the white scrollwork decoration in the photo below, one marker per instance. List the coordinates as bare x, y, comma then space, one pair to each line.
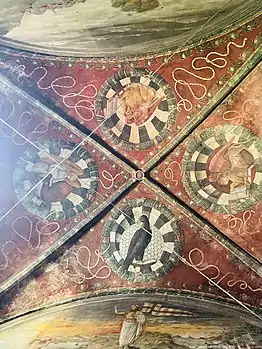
19, 121
42, 228
235, 115
196, 259
86, 270
62, 86
212, 60
169, 172
239, 223
108, 179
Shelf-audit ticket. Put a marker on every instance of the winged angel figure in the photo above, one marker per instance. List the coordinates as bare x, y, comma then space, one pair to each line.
232, 166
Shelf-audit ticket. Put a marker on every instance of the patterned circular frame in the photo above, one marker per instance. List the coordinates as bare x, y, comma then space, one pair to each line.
162, 223
194, 166
155, 129
76, 201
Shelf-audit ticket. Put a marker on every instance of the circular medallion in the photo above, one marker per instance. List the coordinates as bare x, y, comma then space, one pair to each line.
139, 109
53, 191
223, 169
142, 240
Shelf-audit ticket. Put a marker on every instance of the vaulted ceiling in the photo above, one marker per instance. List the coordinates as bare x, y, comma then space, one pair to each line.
114, 125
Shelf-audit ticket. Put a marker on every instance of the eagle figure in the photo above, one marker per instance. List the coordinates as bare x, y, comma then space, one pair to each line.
139, 243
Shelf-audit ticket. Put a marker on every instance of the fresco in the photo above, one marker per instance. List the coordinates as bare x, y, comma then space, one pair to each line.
131, 186
122, 26
138, 108
60, 187
141, 107
131, 322
233, 169
55, 180
146, 241
143, 236
218, 168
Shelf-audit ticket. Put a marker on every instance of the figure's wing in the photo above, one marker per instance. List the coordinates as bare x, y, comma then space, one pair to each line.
154, 104
246, 158
220, 161
132, 249
111, 107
